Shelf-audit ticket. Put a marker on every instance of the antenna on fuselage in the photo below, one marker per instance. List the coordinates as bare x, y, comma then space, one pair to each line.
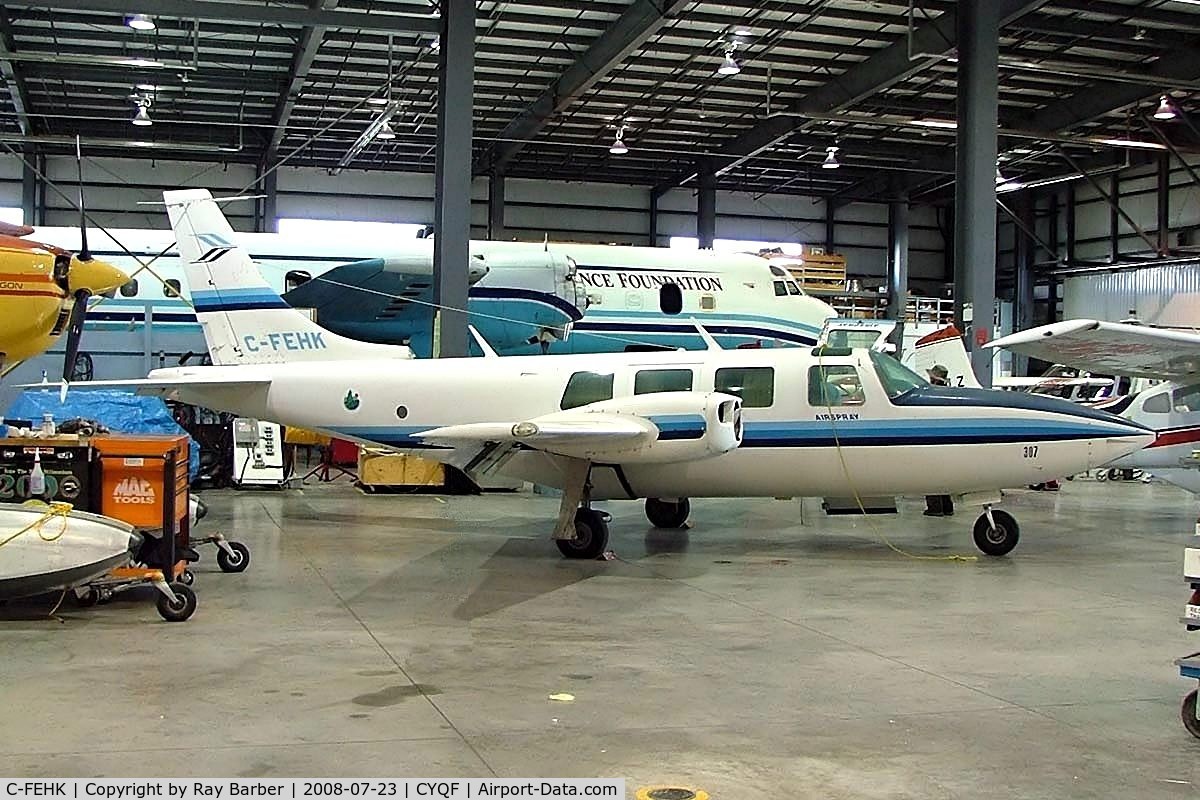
709, 341
488, 352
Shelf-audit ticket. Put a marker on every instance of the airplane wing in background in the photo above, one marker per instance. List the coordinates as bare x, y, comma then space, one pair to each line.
363, 290
1114, 348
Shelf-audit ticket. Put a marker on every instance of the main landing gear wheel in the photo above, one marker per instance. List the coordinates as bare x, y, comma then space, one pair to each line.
668, 513
591, 536
1000, 539
183, 606
235, 561
1188, 713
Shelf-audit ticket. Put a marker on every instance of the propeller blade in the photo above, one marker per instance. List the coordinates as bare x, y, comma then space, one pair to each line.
74, 332
84, 253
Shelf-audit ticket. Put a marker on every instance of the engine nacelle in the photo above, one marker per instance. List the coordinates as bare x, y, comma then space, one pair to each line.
678, 426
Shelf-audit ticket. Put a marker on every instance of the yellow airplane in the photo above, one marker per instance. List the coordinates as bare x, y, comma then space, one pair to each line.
44, 293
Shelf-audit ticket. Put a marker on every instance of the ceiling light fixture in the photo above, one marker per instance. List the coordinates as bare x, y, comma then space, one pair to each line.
140, 22
1133, 143
945, 124
999, 177
618, 147
385, 131
742, 30
730, 65
830, 161
1166, 109
377, 101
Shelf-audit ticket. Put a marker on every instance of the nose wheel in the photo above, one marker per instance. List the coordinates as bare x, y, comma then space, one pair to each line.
996, 532
591, 535
668, 513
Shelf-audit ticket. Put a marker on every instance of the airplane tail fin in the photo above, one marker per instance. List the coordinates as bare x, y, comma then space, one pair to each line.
944, 348
245, 321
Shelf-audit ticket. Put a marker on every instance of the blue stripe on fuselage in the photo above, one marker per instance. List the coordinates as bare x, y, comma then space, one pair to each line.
846, 433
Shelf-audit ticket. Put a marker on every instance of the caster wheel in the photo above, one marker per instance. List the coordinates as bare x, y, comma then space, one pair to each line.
591, 536
187, 577
1000, 540
668, 513
183, 607
237, 561
1188, 713
91, 598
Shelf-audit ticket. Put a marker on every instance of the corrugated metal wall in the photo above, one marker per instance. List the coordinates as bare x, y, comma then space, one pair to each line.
1168, 295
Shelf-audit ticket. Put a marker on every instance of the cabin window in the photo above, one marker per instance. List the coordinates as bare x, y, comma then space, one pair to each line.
294, 278
834, 386
1158, 404
755, 385
670, 298
130, 289
171, 287
1186, 399
793, 288
708, 302
652, 381
587, 387
780, 289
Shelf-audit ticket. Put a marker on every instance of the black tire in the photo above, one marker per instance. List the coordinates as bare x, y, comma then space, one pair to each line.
187, 577
668, 514
1187, 712
1000, 540
183, 607
235, 562
88, 600
591, 536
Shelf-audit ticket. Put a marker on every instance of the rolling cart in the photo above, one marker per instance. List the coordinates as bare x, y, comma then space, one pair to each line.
1189, 666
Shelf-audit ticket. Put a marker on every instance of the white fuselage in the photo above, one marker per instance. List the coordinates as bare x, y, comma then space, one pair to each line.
935, 441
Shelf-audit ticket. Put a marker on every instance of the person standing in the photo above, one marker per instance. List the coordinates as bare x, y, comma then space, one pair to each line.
939, 505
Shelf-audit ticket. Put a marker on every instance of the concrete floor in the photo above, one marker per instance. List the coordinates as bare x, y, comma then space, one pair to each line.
756, 657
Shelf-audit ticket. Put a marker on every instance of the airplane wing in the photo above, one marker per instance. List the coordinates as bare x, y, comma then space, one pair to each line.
371, 289
1115, 348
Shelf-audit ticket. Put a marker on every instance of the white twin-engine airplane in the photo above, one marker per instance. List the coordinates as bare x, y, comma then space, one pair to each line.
664, 426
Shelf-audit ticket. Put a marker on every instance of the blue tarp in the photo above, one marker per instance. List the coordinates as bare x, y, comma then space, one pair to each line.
121, 412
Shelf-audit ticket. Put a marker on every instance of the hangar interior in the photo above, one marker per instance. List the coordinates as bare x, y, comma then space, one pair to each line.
1039, 157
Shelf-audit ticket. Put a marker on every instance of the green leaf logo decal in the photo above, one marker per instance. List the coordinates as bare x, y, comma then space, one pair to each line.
351, 400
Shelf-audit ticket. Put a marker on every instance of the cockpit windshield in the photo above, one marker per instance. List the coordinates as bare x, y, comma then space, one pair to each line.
896, 378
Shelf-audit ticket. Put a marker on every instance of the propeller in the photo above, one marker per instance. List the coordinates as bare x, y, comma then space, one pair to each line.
79, 308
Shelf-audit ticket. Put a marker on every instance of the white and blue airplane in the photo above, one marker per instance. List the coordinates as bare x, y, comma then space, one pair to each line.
525, 298
664, 426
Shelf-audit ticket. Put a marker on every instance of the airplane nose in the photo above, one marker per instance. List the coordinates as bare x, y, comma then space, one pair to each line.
96, 276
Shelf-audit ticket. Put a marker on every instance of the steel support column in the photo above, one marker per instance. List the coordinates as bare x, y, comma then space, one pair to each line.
495, 222
29, 187
1052, 281
452, 198
1164, 203
897, 268
975, 185
1069, 224
1114, 219
266, 214
1023, 257
653, 233
830, 224
706, 206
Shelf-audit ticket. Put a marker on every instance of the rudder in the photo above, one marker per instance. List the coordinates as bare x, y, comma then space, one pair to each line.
244, 319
